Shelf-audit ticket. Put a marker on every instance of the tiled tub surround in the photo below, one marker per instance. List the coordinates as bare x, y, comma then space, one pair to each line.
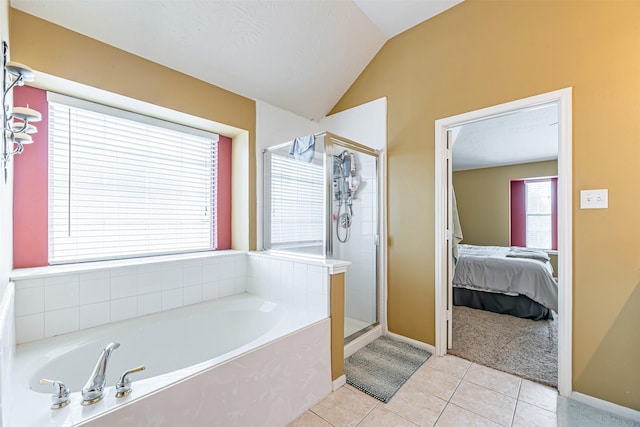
56, 304
51, 301
7, 349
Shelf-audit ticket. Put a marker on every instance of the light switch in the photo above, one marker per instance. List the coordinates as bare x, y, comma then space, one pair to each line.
594, 199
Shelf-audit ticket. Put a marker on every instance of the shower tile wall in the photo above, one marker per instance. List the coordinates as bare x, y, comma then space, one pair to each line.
291, 282
53, 305
360, 287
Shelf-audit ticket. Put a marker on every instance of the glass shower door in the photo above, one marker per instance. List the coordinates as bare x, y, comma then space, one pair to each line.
355, 233
294, 200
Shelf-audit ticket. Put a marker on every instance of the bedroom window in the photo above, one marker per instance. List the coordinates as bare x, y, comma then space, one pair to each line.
538, 208
534, 213
123, 185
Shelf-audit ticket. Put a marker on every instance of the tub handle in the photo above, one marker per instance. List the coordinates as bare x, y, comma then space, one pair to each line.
60, 398
123, 386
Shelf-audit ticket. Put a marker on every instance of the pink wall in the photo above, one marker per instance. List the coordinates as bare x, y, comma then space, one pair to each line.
518, 213
30, 192
224, 193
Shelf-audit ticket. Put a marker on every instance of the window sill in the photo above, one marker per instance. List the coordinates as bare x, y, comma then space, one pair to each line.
83, 267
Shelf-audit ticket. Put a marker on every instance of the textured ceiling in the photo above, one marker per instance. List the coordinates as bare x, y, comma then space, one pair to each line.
525, 136
300, 56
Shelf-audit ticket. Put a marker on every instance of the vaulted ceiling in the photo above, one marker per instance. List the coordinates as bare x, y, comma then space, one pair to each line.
298, 55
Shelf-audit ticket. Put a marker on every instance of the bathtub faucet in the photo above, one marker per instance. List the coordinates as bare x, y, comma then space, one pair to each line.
94, 388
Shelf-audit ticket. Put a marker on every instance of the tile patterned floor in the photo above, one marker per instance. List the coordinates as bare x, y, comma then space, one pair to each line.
445, 391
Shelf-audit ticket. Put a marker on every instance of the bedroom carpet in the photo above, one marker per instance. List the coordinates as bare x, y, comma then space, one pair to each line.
523, 347
381, 367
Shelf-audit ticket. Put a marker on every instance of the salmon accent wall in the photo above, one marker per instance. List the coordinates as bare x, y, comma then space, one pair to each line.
57, 51
483, 53
30, 189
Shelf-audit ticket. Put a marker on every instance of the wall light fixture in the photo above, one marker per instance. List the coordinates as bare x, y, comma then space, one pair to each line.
17, 128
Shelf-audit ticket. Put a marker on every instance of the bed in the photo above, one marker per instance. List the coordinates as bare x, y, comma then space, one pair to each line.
509, 280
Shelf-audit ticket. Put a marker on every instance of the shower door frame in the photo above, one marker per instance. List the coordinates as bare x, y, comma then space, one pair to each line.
329, 141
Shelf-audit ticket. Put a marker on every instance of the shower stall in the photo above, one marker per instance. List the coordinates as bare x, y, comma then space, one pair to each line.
321, 200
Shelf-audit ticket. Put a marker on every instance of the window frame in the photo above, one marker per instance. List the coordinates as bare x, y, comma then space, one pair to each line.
117, 122
30, 176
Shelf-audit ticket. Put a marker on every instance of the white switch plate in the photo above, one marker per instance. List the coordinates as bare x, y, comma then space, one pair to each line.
594, 199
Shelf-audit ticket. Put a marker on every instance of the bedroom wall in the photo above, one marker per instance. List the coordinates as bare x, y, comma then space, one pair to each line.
483, 201
54, 50
479, 54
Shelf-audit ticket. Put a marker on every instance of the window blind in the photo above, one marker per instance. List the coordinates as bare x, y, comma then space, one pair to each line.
297, 202
538, 212
124, 185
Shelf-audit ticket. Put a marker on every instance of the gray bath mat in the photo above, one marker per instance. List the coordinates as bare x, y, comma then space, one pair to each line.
381, 367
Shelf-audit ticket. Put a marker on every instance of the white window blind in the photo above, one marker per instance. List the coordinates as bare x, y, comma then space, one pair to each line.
297, 202
125, 185
538, 211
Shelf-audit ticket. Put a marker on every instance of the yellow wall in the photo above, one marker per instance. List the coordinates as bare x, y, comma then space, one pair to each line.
337, 325
54, 50
483, 53
482, 196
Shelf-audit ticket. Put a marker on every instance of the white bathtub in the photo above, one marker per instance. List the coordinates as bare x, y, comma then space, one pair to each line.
239, 360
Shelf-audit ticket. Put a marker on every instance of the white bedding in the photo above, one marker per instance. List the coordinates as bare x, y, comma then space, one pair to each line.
510, 271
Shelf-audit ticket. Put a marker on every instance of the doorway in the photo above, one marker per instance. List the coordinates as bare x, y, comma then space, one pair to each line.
443, 233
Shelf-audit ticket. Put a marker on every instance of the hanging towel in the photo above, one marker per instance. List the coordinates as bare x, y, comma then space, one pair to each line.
457, 230
303, 149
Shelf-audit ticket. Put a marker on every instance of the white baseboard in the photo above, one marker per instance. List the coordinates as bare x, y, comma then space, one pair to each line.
339, 382
431, 349
604, 405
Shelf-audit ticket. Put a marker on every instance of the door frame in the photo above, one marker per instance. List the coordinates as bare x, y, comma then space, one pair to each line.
562, 98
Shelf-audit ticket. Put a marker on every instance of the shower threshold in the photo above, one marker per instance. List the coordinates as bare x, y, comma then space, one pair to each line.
355, 333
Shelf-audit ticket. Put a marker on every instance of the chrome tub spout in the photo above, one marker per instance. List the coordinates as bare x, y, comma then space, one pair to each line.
93, 390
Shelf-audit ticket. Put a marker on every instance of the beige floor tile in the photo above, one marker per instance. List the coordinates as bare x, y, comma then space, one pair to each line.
380, 417
452, 365
539, 395
432, 381
454, 416
309, 419
417, 406
533, 416
372, 399
344, 407
488, 403
493, 379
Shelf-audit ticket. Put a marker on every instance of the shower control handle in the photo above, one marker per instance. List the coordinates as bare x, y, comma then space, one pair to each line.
123, 386
60, 398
